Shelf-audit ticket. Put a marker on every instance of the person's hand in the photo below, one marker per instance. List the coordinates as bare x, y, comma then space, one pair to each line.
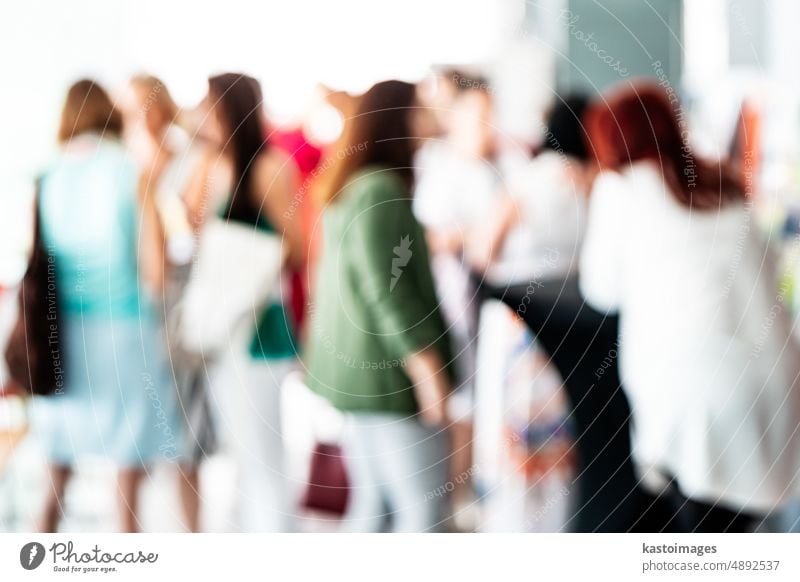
479, 255
431, 386
432, 400
444, 242
197, 194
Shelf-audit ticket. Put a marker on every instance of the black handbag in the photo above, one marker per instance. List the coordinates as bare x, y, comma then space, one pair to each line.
35, 350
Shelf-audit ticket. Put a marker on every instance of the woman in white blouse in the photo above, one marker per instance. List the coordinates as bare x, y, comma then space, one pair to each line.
706, 355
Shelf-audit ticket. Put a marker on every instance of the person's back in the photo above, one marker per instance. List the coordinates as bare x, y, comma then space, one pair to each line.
536, 233
548, 206
705, 278
117, 400
707, 353
360, 335
378, 345
88, 212
454, 191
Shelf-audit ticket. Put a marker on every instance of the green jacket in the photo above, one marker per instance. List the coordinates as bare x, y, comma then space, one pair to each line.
374, 301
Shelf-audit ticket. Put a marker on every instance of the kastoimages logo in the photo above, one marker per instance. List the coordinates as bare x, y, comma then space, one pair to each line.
31, 555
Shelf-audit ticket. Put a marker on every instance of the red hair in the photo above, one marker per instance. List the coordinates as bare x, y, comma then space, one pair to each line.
643, 122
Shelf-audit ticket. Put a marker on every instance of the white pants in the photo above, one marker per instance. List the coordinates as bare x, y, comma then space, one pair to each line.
398, 470
459, 305
246, 395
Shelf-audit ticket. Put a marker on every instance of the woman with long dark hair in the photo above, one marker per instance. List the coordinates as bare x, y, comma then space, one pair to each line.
706, 351
378, 348
244, 180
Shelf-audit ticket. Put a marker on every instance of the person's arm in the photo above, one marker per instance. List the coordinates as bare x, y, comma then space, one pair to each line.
197, 194
600, 267
487, 239
151, 234
431, 385
276, 183
385, 253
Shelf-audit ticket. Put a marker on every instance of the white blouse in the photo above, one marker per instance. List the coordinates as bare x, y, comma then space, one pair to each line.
706, 351
550, 199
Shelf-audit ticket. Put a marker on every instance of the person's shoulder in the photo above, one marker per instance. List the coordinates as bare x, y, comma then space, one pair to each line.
51, 164
610, 187
115, 152
113, 147
380, 194
540, 173
646, 177
274, 166
376, 183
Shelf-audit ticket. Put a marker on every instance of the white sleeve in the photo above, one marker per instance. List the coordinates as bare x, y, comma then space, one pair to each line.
428, 188
424, 201
600, 271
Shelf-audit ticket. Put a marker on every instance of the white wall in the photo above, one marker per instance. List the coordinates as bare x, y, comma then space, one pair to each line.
288, 44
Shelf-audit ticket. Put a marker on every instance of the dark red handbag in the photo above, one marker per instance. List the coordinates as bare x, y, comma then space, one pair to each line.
328, 487
35, 353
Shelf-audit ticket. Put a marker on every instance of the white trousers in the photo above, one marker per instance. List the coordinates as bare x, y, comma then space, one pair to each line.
398, 471
246, 395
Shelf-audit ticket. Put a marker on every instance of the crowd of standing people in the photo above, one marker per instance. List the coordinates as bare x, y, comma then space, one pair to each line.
390, 239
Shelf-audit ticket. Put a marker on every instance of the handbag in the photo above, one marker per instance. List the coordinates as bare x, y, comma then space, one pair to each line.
35, 353
327, 489
236, 268
328, 486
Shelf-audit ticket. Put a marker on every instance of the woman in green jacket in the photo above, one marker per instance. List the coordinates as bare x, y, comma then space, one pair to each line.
378, 349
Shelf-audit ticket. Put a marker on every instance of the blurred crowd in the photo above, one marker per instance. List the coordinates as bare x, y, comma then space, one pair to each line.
197, 259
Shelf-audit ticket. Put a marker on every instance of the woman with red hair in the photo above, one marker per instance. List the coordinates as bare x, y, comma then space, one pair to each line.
706, 351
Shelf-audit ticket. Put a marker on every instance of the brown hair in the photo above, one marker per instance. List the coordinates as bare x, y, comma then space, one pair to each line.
88, 108
644, 122
378, 133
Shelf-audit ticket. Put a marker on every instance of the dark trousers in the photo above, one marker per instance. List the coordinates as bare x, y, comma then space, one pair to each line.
672, 512
582, 344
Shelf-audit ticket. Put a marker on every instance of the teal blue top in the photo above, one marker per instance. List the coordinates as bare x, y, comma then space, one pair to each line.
274, 337
88, 212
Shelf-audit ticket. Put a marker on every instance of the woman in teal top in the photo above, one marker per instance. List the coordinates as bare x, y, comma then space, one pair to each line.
378, 349
117, 400
256, 184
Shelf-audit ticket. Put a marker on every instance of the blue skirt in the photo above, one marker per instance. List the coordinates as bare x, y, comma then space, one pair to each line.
118, 399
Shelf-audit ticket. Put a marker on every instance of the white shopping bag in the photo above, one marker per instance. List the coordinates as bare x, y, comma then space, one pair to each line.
236, 269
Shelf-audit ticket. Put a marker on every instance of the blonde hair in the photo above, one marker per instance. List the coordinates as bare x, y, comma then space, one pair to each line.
157, 95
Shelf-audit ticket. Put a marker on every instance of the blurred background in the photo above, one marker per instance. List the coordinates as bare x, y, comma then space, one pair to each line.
719, 54
732, 62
